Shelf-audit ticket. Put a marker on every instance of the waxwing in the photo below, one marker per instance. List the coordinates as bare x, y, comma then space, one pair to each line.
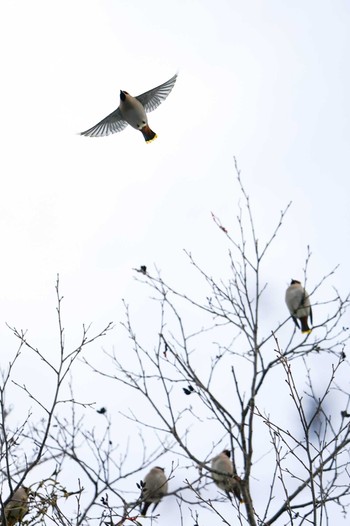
228, 481
17, 506
298, 303
132, 110
155, 486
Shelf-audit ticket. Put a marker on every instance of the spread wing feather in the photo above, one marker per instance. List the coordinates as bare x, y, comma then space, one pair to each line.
113, 123
152, 98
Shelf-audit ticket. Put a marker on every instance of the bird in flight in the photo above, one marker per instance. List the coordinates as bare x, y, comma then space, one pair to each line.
132, 110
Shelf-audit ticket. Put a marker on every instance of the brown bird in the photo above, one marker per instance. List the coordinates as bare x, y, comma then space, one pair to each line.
155, 486
227, 478
132, 110
17, 506
298, 303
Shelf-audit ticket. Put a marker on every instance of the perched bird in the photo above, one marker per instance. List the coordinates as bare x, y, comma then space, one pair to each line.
132, 110
228, 480
298, 303
17, 506
154, 487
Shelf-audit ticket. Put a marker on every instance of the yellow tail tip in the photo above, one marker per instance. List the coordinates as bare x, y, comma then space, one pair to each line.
151, 140
308, 331
148, 134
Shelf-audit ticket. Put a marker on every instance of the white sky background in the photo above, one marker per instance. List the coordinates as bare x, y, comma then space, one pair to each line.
267, 82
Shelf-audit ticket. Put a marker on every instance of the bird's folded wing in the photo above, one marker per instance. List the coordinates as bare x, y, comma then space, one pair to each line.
295, 319
113, 123
152, 98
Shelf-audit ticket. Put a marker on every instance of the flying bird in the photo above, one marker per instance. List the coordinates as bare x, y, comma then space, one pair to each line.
154, 487
132, 110
298, 303
227, 478
17, 506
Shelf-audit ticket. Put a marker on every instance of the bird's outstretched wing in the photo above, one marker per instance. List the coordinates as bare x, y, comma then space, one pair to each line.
113, 123
152, 98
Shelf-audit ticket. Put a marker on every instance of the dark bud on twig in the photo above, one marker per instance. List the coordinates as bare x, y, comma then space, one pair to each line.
189, 390
165, 349
104, 500
142, 269
345, 414
140, 484
101, 411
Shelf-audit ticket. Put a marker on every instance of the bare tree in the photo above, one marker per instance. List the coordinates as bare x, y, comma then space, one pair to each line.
218, 377
71, 471
206, 372
30, 429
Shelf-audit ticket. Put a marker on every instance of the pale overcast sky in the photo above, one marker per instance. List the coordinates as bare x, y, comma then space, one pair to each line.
265, 81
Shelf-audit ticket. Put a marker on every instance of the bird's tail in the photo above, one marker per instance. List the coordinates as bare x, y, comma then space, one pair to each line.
144, 509
148, 134
305, 329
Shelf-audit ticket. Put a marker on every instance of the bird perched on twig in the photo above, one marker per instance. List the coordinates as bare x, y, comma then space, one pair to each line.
132, 110
298, 303
227, 478
17, 506
154, 487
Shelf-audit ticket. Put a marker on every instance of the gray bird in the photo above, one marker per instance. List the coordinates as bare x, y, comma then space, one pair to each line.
17, 506
155, 486
298, 303
227, 478
132, 110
